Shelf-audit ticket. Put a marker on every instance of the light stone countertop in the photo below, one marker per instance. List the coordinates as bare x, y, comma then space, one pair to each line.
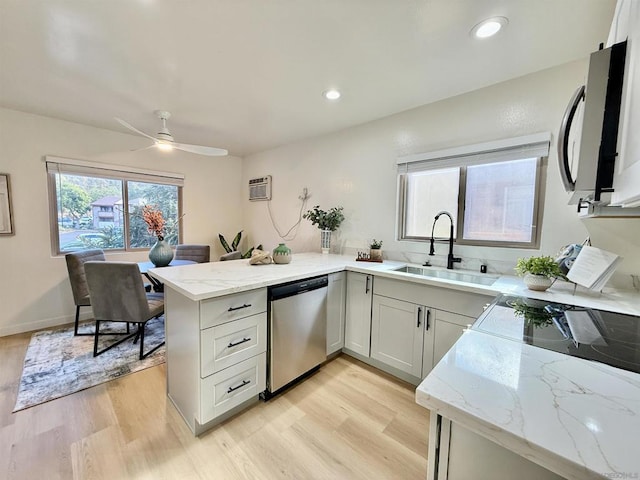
578, 418
208, 280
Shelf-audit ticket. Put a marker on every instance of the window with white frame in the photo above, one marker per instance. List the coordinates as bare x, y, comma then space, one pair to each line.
492, 192
99, 206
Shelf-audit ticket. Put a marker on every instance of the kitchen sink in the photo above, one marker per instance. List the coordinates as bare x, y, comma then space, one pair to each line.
456, 275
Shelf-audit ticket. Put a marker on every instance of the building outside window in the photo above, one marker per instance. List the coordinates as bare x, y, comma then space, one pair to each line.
100, 206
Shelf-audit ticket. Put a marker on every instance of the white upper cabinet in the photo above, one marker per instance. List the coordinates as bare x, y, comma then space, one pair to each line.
626, 183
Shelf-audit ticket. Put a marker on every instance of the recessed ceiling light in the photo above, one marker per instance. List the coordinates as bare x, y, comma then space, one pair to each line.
489, 27
331, 94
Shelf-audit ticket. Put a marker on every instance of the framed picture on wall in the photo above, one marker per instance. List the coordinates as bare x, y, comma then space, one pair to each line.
6, 221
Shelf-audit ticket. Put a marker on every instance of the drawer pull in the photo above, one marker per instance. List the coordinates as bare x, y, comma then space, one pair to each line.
239, 342
232, 309
233, 389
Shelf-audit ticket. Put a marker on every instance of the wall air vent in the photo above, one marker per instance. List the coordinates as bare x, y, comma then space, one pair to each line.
260, 188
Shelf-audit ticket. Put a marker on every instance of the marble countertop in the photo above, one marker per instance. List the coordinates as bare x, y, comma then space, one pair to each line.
214, 279
577, 418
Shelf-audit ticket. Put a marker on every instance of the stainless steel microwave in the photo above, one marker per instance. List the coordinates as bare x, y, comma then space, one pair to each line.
588, 173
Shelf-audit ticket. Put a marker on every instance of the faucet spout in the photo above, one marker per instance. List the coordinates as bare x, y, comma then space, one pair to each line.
450, 258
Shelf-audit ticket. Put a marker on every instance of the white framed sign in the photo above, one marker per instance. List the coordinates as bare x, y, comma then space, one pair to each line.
6, 221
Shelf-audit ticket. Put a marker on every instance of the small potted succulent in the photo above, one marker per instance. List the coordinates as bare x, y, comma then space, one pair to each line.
539, 272
375, 250
327, 222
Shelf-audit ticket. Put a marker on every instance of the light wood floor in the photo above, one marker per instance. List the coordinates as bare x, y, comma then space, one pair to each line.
347, 421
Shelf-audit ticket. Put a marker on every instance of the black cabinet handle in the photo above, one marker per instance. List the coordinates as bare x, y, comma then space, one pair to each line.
246, 305
240, 342
366, 288
233, 389
426, 323
419, 312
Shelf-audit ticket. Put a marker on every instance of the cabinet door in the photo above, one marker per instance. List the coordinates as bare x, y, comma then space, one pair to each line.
428, 340
336, 304
448, 329
358, 320
626, 183
397, 334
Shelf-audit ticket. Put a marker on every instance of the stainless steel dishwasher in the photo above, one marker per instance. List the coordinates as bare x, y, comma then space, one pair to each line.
297, 330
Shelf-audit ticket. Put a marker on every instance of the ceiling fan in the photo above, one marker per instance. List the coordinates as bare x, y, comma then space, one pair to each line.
164, 140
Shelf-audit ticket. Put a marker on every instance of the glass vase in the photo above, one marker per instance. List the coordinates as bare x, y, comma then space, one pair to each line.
325, 240
161, 253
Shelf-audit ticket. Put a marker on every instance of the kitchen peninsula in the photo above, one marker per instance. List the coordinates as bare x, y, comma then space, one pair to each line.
573, 417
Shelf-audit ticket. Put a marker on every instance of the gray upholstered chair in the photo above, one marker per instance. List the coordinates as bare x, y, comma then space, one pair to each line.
195, 253
117, 295
75, 267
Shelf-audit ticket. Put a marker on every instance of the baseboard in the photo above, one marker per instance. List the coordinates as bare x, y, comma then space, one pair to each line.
385, 368
40, 324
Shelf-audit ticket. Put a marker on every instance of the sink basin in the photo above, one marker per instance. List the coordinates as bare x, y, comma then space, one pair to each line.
458, 276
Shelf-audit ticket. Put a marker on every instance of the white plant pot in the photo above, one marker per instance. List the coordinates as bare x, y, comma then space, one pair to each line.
325, 240
537, 282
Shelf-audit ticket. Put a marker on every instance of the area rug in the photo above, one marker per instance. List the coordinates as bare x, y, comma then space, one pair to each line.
58, 364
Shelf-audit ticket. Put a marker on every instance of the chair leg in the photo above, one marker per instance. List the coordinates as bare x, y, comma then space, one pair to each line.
97, 333
142, 325
145, 355
77, 324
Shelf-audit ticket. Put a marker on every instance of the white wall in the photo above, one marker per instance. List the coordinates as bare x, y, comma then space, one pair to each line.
34, 286
355, 168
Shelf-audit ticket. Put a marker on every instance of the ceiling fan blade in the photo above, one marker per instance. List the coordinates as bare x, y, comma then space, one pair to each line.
200, 150
134, 129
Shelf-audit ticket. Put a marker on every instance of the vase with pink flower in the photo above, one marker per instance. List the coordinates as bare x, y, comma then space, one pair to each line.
161, 252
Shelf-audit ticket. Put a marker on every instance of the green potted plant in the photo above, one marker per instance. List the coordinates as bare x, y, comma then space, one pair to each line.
327, 222
539, 272
375, 250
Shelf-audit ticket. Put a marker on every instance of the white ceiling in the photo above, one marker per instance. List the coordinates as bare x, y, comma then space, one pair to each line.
247, 75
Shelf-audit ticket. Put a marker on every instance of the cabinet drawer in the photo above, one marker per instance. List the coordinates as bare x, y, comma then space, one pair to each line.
232, 342
216, 311
232, 386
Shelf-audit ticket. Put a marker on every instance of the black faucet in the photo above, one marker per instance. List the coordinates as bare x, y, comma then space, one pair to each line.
432, 251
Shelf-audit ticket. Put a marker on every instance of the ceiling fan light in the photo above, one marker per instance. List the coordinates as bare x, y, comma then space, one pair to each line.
164, 146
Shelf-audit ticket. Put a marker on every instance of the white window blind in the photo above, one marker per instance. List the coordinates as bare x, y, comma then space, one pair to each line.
530, 146
104, 170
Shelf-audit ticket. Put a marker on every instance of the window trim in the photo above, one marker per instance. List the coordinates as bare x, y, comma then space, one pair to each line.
519, 148
59, 165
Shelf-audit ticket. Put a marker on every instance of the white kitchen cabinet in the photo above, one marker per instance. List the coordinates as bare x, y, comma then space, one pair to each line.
216, 354
456, 453
357, 336
398, 306
397, 334
336, 311
626, 183
448, 329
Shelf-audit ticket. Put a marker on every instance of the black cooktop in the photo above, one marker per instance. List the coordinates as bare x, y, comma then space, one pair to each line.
602, 336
